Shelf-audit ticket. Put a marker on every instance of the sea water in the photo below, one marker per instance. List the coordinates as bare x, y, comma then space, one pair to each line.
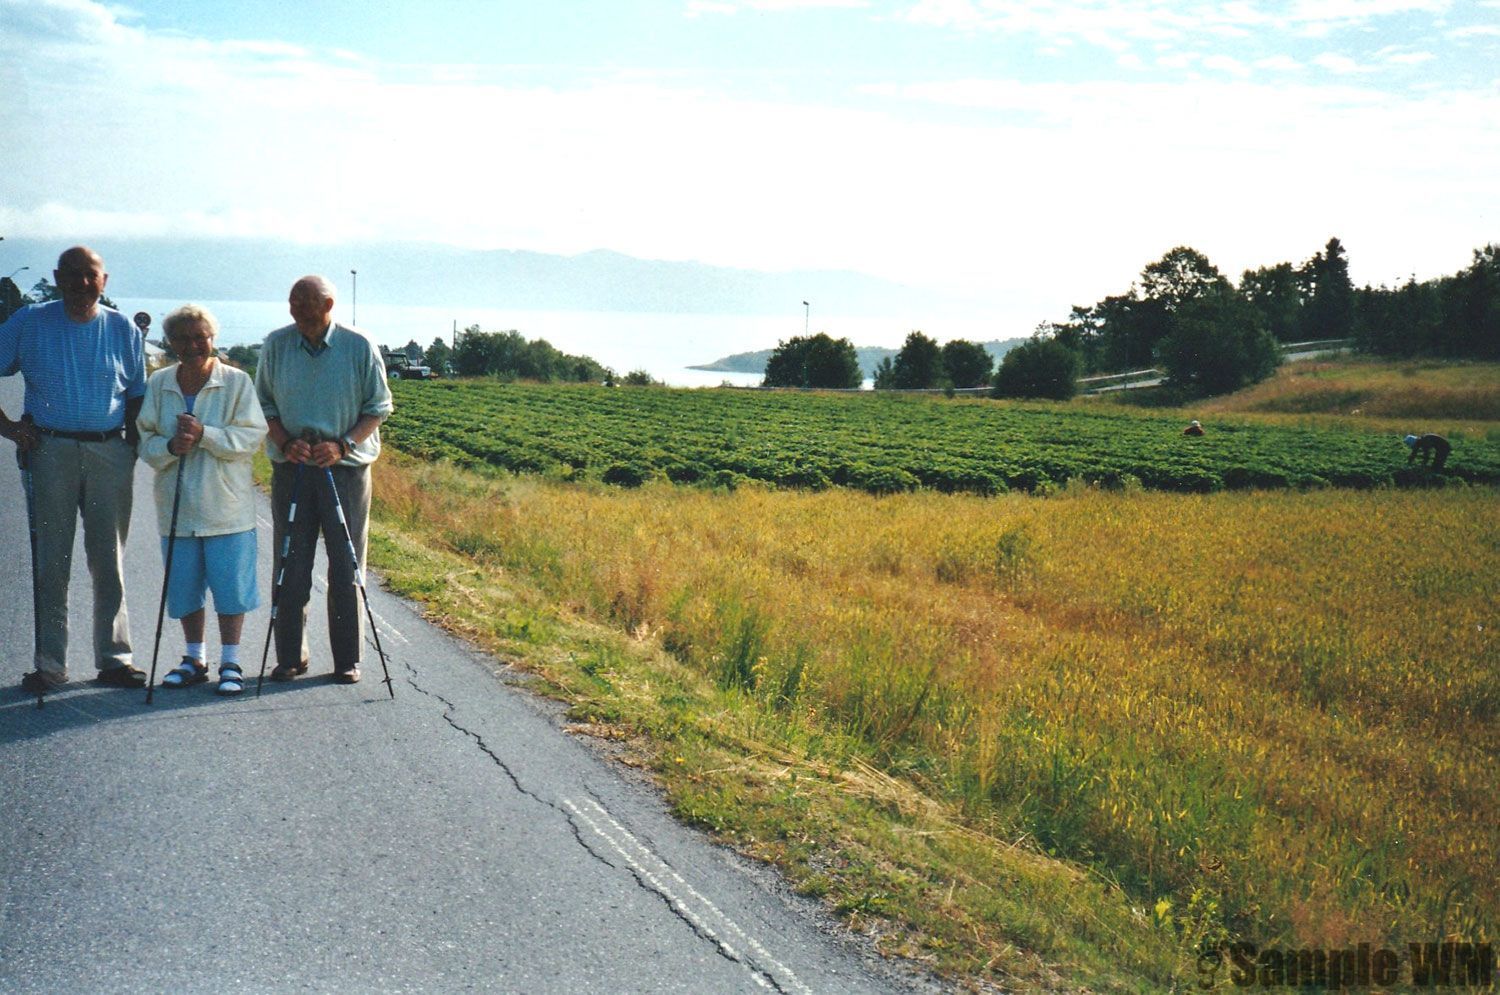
664, 345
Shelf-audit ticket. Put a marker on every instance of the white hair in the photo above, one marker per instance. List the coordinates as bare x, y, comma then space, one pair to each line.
190, 314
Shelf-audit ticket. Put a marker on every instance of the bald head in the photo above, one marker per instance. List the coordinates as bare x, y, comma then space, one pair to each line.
320, 285
80, 280
80, 255
311, 305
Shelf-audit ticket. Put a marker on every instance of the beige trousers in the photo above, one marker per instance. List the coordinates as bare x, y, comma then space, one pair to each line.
91, 480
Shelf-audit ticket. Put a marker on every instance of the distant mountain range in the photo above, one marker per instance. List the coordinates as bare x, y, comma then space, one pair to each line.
869, 358
428, 273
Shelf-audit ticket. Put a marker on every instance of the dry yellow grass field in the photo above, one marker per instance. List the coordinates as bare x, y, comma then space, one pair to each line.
1431, 390
1252, 715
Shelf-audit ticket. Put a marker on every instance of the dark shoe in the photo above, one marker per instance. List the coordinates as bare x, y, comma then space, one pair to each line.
185, 674
349, 676
41, 682
287, 671
122, 677
231, 679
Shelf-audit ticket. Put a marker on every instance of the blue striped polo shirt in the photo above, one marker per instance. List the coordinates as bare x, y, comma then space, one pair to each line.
78, 374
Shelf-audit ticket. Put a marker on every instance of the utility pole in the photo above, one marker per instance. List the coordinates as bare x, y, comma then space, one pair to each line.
806, 317
354, 293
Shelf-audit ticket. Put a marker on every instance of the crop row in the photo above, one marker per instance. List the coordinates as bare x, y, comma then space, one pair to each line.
880, 443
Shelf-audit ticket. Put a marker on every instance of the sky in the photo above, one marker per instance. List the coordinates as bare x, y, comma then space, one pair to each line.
1033, 155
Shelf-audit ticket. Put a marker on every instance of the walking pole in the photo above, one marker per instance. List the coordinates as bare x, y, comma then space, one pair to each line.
286, 545
359, 579
23, 460
166, 576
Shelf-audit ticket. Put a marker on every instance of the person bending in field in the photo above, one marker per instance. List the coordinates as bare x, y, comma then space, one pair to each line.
1428, 447
1193, 429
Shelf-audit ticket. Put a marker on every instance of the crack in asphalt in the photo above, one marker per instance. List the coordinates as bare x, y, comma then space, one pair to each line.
575, 817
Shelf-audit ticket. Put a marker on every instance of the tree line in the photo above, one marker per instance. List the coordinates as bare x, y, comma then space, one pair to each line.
1184, 317
822, 361
510, 355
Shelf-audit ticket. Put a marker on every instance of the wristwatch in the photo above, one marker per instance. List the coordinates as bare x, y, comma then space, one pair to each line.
348, 443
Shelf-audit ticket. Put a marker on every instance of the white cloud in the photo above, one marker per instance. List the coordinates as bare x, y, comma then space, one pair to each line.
1227, 64
1054, 193
696, 8
1279, 63
1100, 21
1335, 63
73, 21
1477, 30
1408, 58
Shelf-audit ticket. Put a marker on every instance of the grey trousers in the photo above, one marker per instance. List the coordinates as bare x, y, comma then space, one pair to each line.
316, 514
92, 480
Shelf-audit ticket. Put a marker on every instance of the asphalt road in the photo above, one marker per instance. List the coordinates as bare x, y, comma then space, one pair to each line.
324, 838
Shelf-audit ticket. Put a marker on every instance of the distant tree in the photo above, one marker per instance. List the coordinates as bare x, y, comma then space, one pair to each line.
413, 352
918, 365
1042, 367
246, 357
1180, 277
1218, 344
814, 361
884, 375
640, 378
510, 355
11, 298
1471, 307
477, 353
1329, 309
967, 364
1276, 293
1125, 329
1401, 321
438, 355
1080, 334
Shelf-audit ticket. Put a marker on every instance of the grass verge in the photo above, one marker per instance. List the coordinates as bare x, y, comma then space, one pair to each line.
1047, 743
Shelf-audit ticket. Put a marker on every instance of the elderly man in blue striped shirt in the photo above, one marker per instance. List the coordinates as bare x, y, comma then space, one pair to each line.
85, 372
322, 386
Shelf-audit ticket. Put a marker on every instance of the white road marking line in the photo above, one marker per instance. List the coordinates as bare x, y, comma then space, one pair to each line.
763, 961
749, 940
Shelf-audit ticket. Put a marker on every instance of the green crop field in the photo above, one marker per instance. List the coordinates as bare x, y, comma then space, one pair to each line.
882, 443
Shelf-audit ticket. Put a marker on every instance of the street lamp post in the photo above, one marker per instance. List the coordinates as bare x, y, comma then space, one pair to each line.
354, 296
20, 270
806, 317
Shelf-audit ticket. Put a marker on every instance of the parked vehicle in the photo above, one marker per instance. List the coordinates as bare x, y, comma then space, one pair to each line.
398, 366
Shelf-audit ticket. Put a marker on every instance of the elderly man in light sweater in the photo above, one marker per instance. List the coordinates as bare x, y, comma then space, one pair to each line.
322, 386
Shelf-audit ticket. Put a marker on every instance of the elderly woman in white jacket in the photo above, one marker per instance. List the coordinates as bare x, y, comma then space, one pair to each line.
206, 414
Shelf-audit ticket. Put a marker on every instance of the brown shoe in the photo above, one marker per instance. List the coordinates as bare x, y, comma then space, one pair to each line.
287, 671
124, 676
41, 682
349, 676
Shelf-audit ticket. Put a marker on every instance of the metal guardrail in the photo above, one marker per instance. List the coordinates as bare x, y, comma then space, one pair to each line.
1317, 344
1100, 378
